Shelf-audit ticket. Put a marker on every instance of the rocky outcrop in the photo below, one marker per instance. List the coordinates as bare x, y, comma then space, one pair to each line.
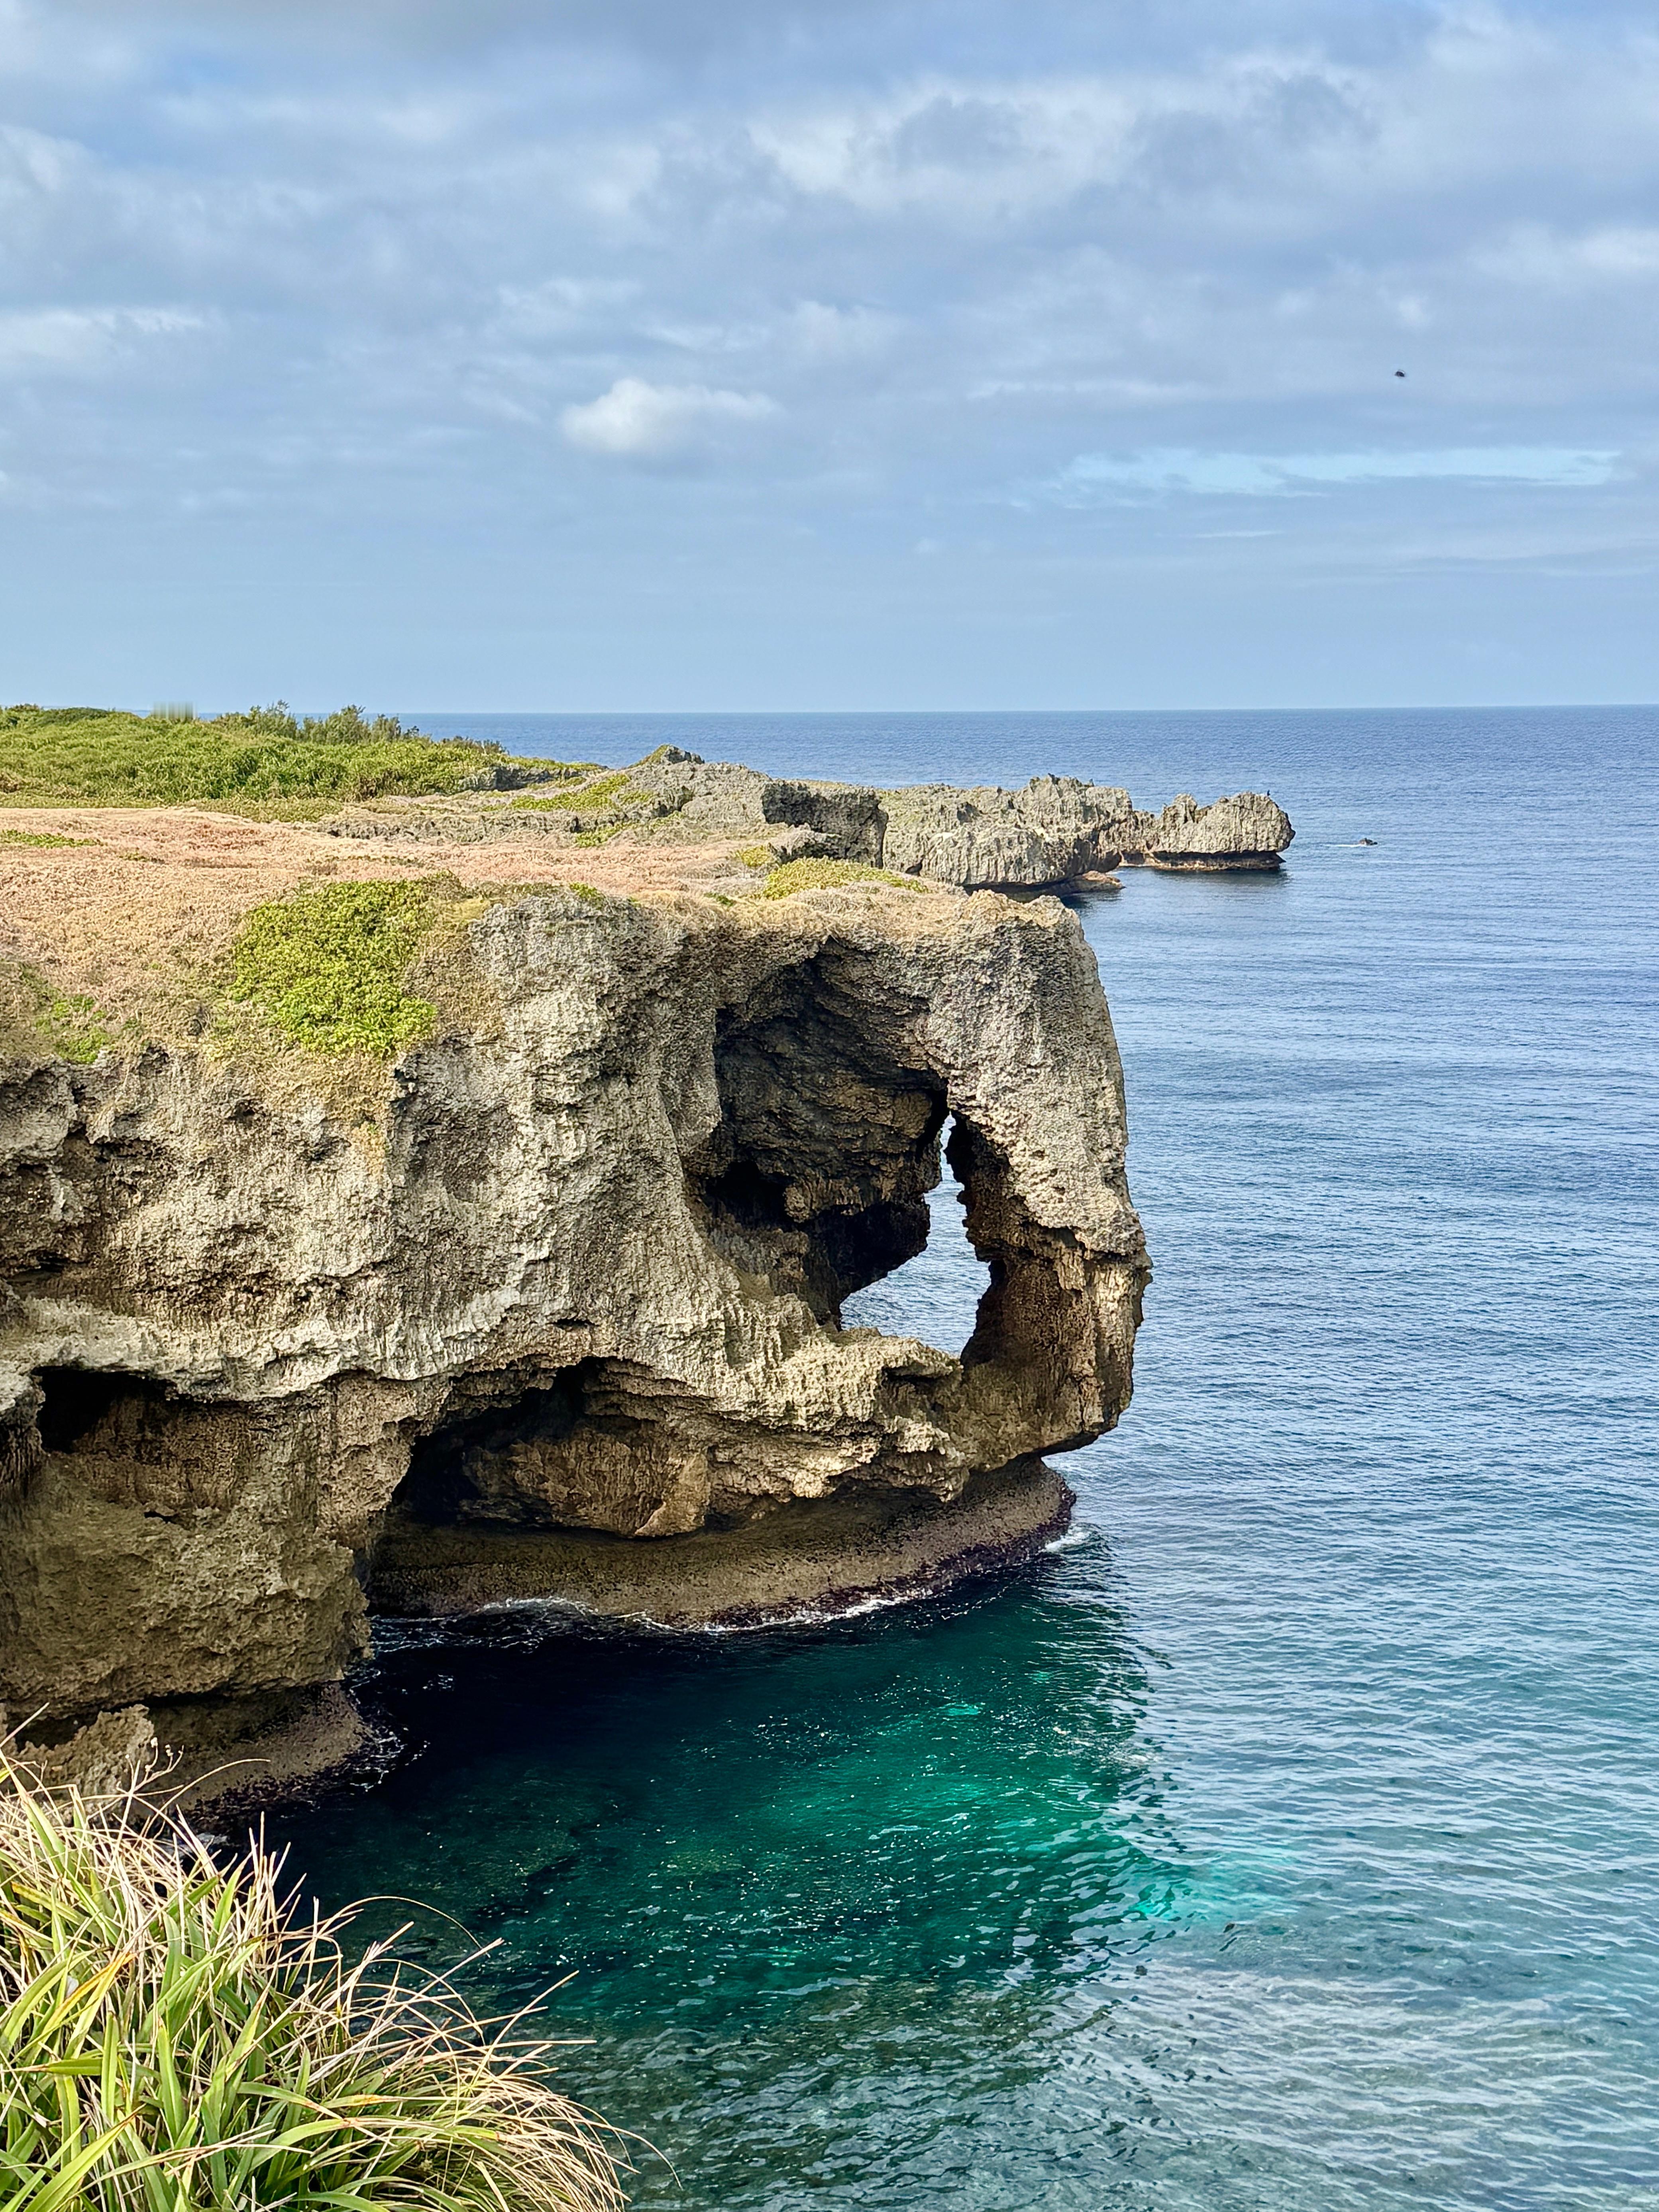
1248, 830
1055, 830
573, 1278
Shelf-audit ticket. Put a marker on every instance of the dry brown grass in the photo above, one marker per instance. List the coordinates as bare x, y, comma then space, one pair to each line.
147, 902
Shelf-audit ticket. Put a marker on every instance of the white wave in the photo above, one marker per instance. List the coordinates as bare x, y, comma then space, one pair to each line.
1073, 1540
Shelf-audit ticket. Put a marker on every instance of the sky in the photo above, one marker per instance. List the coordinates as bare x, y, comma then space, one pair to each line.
639, 355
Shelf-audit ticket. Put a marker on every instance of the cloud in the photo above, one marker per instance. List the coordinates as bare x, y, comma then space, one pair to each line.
823, 333
84, 339
637, 421
446, 273
1538, 257
1171, 468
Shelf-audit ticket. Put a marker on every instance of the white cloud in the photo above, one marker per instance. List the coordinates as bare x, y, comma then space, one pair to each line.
1537, 257
964, 150
560, 306
637, 421
945, 246
83, 339
1174, 469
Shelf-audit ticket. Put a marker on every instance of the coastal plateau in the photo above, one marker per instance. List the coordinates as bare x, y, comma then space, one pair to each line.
534, 1293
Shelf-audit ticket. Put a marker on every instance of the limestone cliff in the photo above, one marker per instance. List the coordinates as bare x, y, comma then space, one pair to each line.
1054, 829
564, 1293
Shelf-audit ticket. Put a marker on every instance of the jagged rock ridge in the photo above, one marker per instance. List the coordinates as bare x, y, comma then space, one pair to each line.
1054, 830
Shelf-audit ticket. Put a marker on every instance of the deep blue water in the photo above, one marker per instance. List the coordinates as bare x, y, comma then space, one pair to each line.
1291, 1840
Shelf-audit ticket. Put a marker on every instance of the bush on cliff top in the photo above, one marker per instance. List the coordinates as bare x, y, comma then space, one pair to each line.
267, 761
177, 2037
327, 966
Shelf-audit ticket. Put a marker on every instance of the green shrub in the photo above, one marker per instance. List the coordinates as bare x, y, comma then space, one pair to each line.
757, 856
587, 895
267, 760
831, 876
327, 966
180, 2037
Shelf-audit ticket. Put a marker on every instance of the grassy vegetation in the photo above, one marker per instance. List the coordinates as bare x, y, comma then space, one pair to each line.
606, 791
178, 2037
327, 966
73, 1026
831, 876
757, 856
41, 837
267, 762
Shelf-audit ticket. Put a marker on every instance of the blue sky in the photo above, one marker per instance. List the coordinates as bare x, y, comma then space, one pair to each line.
595, 354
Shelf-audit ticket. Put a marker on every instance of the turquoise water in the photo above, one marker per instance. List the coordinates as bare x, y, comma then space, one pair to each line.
1291, 1837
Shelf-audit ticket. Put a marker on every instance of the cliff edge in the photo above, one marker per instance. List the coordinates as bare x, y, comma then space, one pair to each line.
544, 1301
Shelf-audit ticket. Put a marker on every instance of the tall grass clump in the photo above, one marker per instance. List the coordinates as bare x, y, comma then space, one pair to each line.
180, 2036
327, 967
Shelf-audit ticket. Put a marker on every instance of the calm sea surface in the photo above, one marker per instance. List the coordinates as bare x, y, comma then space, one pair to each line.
1292, 1838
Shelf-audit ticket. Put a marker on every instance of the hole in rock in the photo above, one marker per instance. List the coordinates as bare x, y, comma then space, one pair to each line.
935, 1295
816, 1177
464, 1471
78, 1399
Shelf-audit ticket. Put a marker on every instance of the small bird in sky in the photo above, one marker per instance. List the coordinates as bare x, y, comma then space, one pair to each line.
1400, 372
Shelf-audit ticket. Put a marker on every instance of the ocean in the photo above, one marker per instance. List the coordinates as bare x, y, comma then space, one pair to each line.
1288, 1839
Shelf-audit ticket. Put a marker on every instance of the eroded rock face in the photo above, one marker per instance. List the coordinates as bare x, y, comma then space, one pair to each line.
581, 1272
1054, 829
1057, 828
1245, 831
